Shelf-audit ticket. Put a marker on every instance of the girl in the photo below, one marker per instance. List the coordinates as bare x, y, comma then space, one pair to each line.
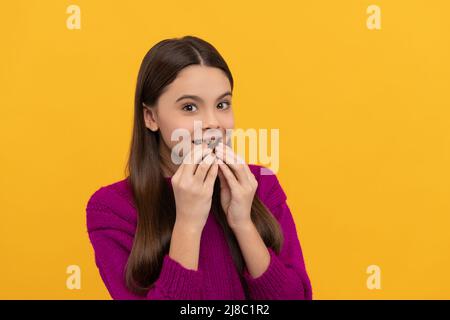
210, 227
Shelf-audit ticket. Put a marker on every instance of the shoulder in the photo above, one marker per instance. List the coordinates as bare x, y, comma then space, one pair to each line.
111, 203
269, 190
114, 194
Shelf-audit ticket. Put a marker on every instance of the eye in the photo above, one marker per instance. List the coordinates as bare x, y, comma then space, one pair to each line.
224, 105
189, 107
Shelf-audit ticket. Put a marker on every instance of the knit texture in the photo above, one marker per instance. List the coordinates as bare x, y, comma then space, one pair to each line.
111, 218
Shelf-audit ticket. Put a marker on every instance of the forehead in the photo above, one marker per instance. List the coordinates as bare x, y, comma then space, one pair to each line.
207, 82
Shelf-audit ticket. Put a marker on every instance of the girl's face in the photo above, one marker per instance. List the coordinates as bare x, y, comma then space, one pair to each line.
199, 93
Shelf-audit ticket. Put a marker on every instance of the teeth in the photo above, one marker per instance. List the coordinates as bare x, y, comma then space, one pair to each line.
211, 143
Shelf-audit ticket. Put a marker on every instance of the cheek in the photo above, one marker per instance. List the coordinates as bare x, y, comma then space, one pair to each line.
227, 122
171, 127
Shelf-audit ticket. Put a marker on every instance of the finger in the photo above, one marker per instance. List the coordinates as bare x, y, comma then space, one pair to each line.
212, 174
238, 159
191, 153
194, 157
178, 172
229, 175
185, 159
235, 162
249, 172
239, 163
203, 167
229, 156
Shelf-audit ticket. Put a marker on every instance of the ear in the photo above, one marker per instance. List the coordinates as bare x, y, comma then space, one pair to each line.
150, 117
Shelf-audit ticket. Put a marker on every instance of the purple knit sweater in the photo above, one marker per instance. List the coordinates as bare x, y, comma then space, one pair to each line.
111, 224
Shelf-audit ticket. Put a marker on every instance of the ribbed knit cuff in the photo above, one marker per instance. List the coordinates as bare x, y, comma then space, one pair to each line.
178, 282
270, 283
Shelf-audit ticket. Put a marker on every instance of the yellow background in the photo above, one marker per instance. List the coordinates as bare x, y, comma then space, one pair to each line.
363, 116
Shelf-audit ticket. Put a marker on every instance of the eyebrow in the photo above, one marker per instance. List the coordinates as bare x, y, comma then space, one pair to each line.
197, 98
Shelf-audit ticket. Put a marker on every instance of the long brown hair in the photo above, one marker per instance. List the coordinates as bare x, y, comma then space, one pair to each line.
152, 194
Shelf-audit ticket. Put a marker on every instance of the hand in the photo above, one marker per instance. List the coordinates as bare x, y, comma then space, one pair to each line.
193, 185
237, 187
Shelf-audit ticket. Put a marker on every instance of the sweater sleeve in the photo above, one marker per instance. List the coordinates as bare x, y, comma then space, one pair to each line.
286, 277
112, 238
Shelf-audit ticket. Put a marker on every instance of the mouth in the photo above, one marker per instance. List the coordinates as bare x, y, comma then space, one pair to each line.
211, 143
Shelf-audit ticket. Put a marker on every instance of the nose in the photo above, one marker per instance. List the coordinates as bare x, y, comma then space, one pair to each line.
210, 121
